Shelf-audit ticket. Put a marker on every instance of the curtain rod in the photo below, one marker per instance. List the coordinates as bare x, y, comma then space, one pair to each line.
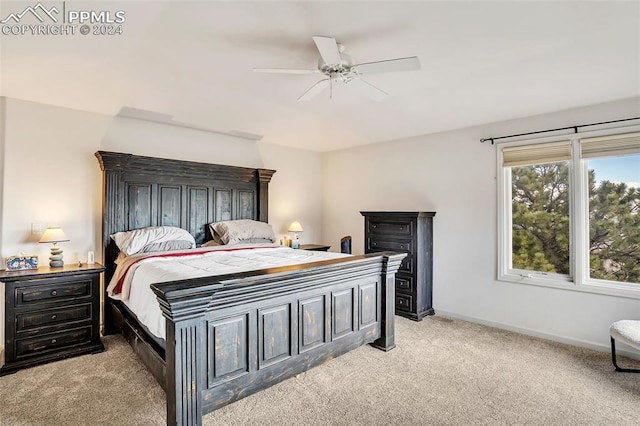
575, 129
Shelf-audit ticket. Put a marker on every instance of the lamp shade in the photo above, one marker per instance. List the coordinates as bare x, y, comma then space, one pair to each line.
53, 235
295, 227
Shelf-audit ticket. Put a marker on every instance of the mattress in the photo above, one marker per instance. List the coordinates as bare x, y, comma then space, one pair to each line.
131, 282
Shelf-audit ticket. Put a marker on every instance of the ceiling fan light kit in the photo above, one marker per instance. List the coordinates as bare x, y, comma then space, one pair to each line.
338, 67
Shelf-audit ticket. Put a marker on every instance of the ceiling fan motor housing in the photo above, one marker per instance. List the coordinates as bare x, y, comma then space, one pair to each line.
343, 67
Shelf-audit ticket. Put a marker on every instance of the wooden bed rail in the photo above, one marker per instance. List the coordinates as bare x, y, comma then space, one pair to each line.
232, 335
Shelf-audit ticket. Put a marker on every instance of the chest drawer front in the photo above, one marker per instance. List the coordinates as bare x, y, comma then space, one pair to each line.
51, 292
374, 243
408, 263
404, 302
400, 229
50, 317
48, 342
404, 284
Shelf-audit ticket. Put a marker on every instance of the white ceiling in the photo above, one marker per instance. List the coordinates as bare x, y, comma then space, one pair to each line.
481, 62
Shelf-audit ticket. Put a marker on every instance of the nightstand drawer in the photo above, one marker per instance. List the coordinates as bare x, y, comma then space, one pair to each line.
39, 344
30, 320
52, 291
399, 229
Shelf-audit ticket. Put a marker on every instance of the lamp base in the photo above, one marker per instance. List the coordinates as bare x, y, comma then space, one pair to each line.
55, 260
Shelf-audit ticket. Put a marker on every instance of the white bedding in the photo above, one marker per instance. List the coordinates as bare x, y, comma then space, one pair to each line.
139, 271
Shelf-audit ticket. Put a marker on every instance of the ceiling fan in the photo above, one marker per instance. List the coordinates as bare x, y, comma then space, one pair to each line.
336, 66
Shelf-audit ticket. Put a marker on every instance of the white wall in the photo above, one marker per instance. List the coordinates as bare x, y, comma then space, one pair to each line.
295, 193
52, 176
454, 175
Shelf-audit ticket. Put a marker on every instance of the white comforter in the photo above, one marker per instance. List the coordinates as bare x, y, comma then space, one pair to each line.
139, 271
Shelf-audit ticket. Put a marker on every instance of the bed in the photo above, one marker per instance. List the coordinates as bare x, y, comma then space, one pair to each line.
230, 335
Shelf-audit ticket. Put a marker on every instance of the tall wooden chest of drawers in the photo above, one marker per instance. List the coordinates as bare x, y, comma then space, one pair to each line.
411, 233
50, 314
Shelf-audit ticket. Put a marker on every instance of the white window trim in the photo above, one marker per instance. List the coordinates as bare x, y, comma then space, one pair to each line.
579, 230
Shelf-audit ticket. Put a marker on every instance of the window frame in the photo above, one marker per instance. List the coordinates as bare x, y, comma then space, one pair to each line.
578, 279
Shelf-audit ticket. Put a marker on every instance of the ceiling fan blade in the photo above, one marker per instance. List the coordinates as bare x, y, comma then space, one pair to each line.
367, 89
285, 71
314, 90
328, 48
401, 64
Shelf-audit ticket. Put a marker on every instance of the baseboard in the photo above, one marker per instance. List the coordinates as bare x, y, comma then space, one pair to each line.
534, 333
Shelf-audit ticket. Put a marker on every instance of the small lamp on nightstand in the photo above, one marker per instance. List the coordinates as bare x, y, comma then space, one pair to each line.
55, 235
295, 227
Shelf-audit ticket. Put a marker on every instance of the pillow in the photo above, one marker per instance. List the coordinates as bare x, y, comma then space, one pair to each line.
217, 242
132, 242
257, 240
167, 246
235, 231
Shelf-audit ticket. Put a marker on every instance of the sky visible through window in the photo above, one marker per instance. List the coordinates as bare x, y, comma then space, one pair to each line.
617, 169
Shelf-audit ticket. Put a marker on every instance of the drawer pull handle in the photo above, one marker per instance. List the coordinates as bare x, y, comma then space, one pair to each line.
54, 292
402, 228
401, 246
375, 244
374, 226
54, 316
53, 341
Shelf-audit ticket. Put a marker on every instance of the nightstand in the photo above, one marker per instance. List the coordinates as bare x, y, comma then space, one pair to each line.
314, 247
50, 314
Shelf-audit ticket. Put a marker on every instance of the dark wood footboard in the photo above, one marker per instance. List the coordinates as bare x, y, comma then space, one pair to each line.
230, 336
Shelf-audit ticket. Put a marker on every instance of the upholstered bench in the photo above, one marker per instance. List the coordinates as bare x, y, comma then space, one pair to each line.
627, 332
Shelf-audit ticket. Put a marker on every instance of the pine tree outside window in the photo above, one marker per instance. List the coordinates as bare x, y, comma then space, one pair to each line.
569, 212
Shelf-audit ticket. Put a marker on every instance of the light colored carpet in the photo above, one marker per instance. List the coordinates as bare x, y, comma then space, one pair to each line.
443, 372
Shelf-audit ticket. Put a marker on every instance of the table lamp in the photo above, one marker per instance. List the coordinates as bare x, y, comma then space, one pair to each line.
295, 227
54, 235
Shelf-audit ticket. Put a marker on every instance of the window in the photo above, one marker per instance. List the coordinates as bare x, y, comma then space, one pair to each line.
570, 212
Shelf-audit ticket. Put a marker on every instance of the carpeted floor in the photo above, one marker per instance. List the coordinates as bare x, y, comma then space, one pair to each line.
442, 372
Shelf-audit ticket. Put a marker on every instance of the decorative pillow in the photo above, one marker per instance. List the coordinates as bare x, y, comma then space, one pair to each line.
235, 231
134, 241
167, 246
217, 242
256, 241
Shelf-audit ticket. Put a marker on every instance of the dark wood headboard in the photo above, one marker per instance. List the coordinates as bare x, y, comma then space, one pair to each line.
147, 191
